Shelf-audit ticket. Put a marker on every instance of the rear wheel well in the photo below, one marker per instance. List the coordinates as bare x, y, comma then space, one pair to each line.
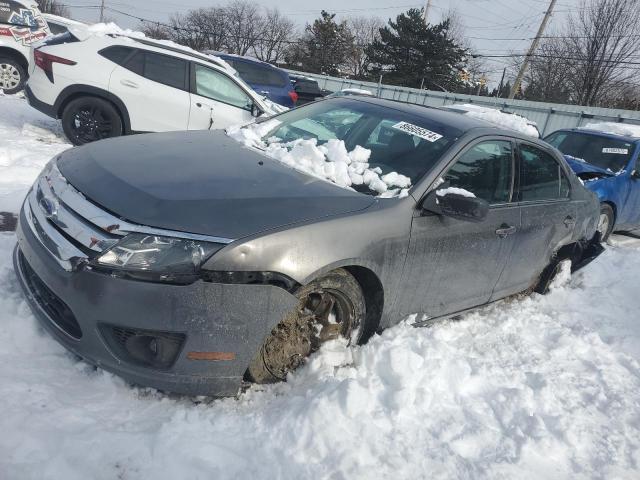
15, 55
123, 118
374, 298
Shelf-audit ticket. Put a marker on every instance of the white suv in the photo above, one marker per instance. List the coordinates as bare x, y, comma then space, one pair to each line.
21, 24
106, 85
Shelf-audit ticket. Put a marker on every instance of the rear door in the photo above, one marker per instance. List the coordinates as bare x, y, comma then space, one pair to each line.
154, 88
453, 265
217, 101
548, 218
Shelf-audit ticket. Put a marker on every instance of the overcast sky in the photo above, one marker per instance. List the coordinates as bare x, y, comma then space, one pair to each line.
493, 26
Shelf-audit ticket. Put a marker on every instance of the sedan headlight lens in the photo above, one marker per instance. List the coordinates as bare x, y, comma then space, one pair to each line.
156, 258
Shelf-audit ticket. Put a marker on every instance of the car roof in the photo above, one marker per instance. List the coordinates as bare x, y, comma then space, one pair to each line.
599, 133
454, 119
178, 50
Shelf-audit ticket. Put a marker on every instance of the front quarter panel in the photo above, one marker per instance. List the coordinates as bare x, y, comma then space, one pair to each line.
376, 239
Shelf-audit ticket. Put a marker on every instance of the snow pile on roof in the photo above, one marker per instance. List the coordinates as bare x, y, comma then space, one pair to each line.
357, 91
511, 121
330, 161
625, 129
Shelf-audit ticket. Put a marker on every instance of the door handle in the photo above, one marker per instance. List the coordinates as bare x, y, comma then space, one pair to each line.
129, 83
505, 230
569, 222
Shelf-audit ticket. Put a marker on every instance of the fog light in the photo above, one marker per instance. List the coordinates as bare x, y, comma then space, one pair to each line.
147, 348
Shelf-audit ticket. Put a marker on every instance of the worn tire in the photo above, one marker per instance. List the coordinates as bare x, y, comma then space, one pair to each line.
606, 215
292, 340
87, 119
9, 67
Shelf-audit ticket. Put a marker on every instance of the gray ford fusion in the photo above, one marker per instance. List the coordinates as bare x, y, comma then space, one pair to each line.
196, 262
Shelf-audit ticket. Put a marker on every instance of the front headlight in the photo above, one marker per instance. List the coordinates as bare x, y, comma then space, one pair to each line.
155, 258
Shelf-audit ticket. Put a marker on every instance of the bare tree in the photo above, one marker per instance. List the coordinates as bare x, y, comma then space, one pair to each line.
244, 24
365, 30
158, 31
602, 37
548, 79
276, 35
53, 7
200, 29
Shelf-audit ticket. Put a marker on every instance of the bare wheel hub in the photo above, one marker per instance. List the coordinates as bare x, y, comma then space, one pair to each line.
9, 76
603, 224
322, 315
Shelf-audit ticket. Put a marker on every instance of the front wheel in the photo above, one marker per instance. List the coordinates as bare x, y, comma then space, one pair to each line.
605, 221
87, 119
330, 308
12, 75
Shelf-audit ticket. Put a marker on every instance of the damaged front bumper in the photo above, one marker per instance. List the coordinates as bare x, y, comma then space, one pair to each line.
212, 330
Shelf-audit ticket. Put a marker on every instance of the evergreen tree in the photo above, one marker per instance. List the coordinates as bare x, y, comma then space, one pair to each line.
409, 50
325, 46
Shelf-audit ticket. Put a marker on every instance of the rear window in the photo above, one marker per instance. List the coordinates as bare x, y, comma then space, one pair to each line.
117, 54
159, 68
260, 74
604, 152
541, 177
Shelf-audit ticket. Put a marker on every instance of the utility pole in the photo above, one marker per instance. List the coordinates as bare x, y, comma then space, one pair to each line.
499, 94
532, 50
101, 11
427, 7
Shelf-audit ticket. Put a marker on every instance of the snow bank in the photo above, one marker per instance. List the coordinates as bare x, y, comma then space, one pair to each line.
613, 128
540, 387
28, 140
330, 161
511, 121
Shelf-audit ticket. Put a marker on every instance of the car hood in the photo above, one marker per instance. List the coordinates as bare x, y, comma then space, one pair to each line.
585, 170
200, 182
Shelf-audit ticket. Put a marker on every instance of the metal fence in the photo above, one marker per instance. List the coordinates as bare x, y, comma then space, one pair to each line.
548, 116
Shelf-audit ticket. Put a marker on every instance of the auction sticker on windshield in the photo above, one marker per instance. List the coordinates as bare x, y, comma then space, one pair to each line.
619, 151
417, 131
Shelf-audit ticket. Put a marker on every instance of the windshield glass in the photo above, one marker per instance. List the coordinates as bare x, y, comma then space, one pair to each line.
370, 148
607, 153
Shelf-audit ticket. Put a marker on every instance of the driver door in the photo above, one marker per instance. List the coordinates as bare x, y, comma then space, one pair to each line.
216, 100
453, 264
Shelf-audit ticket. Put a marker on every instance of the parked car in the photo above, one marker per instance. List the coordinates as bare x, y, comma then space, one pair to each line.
106, 85
307, 89
264, 78
607, 162
205, 263
21, 25
58, 24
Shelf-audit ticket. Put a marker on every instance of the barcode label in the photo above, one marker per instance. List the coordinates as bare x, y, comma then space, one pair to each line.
417, 131
620, 151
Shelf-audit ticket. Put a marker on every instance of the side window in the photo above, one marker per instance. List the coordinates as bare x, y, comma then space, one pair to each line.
116, 54
159, 68
541, 177
167, 70
217, 86
56, 28
486, 170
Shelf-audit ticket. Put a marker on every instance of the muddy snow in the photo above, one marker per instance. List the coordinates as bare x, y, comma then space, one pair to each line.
530, 388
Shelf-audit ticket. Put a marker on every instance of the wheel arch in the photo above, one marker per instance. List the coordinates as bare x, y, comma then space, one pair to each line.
372, 288
76, 91
16, 55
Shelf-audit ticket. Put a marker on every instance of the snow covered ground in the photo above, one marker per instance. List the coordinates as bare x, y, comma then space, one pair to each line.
530, 388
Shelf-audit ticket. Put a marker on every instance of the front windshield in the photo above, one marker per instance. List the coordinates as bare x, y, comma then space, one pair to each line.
368, 147
603, 152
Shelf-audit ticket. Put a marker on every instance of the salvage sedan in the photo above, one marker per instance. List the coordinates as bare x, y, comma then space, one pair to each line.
194, 262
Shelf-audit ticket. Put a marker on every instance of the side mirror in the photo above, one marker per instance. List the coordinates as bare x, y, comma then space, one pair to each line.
456, 203
255, 110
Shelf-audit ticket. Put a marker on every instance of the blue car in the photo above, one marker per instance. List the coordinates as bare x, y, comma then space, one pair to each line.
264, 78
608, 164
